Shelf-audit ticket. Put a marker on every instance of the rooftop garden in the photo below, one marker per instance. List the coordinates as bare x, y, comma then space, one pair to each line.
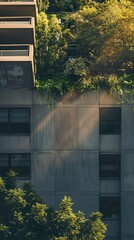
85, 45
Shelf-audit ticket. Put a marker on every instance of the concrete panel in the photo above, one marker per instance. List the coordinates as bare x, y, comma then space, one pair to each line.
42, 98
77, 172
127, 213
110, 143
20, 183
113, 228
86, 203
113, 238
48, 198
44, 172
66, 128
13, 97
129, 237
88, 128
76, 98
106, 98
127, 172
127, 137
109, 186
9, 143
43, 128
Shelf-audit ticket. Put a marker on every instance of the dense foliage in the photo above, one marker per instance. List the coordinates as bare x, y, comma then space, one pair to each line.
91, 48
24, 216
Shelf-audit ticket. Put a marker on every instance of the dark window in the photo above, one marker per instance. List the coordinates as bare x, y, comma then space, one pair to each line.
14, 120
109, 165
110, 120
20, 163
110, 207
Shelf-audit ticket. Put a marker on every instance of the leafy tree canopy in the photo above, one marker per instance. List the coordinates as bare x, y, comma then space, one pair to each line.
24, 216
94, 44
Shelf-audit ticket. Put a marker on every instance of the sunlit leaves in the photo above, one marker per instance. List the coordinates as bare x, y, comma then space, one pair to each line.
40, 222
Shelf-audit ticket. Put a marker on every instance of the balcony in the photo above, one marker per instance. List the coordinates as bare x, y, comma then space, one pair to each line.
17, 30
18, 8
16, 66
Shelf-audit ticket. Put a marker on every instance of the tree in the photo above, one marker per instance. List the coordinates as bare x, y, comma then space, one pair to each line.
105, 33
42, 31
24, 216
43, 5
56, 53
51, 45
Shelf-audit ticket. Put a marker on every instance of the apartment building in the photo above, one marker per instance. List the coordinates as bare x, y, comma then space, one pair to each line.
80, 145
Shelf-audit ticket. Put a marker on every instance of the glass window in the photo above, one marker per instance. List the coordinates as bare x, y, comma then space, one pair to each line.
4, 164
109, 165
110, 120
19, 121
18, 162
13, 121
110, 207
4, 127
15, 75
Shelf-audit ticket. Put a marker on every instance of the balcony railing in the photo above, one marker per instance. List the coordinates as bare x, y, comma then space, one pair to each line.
16, 21
17, 30
16, 1
14, 51
18, 8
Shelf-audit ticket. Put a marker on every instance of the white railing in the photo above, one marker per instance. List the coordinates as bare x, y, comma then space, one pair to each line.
13, 52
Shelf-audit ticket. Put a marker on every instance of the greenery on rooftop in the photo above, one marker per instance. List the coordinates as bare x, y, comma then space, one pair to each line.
87, 47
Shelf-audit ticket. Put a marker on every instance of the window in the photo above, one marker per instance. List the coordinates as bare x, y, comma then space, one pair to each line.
109, 165
18, 162
14, 121
110, 120
14, 75
110, 207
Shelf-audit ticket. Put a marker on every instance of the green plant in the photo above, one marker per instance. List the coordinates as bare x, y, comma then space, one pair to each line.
104, 33
23, 216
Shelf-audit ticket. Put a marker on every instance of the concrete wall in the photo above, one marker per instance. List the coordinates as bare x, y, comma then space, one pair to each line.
65, 146
127, 128
65, 140
113, 229
110, 186
127, 191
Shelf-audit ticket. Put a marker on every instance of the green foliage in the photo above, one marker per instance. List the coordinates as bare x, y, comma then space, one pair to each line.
42, 40
10, 181
23, 216
96, 226
68, 5
57, 84
51, 45
43, 5
122, 87
63, 5
4, 232
104, 32
66, 220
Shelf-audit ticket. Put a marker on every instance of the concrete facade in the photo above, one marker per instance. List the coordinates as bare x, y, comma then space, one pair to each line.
65, 144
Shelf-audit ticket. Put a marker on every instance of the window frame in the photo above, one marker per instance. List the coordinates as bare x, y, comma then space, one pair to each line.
10, 166
10, 123
117, 161
115, 121
115, 202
